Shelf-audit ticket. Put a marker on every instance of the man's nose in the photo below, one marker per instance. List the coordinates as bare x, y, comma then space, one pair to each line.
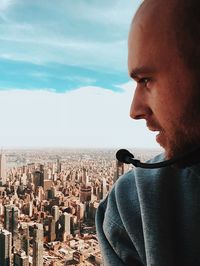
139, 106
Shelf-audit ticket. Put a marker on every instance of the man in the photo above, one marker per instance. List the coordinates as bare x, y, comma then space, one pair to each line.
152, 217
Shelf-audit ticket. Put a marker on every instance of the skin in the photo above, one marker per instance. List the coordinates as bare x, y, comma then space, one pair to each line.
166, 91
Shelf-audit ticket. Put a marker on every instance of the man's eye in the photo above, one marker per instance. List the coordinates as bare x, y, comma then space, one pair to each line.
143, 81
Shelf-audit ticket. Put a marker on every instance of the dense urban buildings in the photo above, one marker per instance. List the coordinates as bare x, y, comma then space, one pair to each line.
48, 201
5, 250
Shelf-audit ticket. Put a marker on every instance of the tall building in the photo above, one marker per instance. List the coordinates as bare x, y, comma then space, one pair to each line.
24, 237
38, 179
85, 189
47, 187
30, 208
65, 221
55, 212
80, 212
85, 193
59, 166
119, 170
47, 174
5, 248
21, 259
38, 245
84, 180
11, 220
104, 188
51, 229
3, 169
42, 168
40, 193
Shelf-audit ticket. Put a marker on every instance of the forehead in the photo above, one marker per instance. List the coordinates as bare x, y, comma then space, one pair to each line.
151, 36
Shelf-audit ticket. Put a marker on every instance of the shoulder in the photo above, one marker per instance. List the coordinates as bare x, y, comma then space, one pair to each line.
141, 186
133, 189
139, 176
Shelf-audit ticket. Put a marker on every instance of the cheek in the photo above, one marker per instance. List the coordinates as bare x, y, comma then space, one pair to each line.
165, 99
166, 112
162, 104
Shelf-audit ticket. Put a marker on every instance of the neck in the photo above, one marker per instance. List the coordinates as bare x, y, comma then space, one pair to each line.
190, 158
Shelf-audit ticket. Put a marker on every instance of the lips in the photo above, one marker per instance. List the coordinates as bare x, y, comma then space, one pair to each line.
160, 138
160, 135
151, 128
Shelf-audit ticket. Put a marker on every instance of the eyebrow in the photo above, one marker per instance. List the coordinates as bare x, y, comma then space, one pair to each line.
134, 74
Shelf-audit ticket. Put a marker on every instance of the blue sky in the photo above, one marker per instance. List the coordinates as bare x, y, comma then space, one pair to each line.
64, 80
63, 45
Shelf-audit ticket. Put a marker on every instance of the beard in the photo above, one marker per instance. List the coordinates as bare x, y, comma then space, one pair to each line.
180, 142
184, 134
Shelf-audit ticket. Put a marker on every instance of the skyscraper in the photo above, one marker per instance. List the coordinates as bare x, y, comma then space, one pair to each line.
24, 237
20, 259
11, 220
85, 193
51, 229
65, 223
119, 170
84, 177
85, 189
3, 168
5, 250
104, 188
59, 166
38, 245
55, 212
38, 179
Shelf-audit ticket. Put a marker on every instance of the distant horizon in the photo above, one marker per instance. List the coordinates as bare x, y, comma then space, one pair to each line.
78, 148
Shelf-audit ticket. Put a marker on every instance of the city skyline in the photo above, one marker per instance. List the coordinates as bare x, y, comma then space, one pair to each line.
48, 204
64, 77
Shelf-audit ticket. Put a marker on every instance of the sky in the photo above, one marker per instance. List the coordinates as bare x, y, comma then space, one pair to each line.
64, 79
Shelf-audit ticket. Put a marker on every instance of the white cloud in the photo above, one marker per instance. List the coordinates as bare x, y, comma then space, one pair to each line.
4, 4
114, 13
87, 117
80, 79
40, 40
43, 49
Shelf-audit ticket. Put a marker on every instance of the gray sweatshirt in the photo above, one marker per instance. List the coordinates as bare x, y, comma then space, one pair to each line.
152, 217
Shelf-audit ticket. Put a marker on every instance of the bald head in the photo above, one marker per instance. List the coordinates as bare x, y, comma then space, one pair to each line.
151, 33
164, 60
186, 20
183, 19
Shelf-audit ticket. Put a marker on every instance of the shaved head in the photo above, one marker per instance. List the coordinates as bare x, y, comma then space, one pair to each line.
164, 60
184, 23
186, 20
